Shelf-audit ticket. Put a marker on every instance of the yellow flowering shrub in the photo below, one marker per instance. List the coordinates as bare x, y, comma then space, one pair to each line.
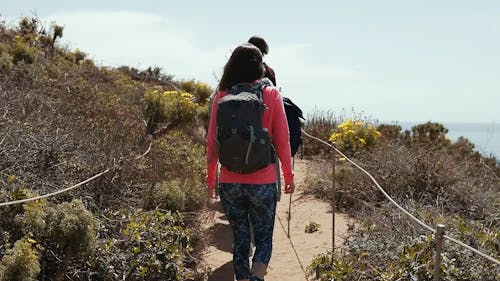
171, 107
352, 136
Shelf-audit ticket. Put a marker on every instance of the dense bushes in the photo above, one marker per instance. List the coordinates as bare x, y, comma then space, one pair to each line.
390, 250
444, 175
152, 245
42, 230
67, 119
437, 180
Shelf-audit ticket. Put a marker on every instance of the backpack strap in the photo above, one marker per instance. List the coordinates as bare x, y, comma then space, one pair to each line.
256, 87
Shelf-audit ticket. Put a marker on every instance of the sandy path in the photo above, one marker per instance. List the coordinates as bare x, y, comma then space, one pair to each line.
284, 265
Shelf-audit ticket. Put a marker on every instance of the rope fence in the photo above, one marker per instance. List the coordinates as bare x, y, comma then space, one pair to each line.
54, 193
22, 201
421, 223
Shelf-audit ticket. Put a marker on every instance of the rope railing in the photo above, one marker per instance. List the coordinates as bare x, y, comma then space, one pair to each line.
55, 192
421, 223
21, 201
458, 242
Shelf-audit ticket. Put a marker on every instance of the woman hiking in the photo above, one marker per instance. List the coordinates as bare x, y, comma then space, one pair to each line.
248, 193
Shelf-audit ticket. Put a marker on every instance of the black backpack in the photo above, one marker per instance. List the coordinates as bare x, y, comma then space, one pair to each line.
244, 145
293, 113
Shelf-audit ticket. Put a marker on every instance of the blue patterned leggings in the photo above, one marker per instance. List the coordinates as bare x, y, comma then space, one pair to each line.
257, 201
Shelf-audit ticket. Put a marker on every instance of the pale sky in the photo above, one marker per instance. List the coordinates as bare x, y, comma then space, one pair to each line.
392, 60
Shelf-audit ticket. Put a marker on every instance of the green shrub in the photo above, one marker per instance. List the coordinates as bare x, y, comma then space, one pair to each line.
73, 228
429, 133
28, 26
170, 107
463, 148
33, 217
72, 233
312, 227
153, 245
170, 195
351, 185
28, 29
201, 91
416, 262
21, 219
23, 52
4, 48
390, 133
79, 56
391, 250
179, 185
45, 41
319, 124
338, 267
22, 262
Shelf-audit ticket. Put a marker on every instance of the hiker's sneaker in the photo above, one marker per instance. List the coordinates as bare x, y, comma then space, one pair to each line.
255, 278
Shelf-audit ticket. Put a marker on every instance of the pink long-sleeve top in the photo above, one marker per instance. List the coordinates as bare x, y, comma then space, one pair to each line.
274, 119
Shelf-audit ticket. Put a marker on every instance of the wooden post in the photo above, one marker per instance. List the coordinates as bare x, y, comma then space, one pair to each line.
333, 201
290, 203
440, 230
289, 214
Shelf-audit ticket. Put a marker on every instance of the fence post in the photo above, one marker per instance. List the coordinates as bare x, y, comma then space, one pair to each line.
440, 230
289, 218
333, 201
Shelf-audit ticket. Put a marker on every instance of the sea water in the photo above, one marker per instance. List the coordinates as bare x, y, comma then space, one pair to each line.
484, 136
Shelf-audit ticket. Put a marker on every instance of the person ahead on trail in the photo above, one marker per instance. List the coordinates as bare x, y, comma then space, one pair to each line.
260, 43
293, 112
247, 180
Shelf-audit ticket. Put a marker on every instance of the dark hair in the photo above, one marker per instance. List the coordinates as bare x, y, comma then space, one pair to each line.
260, 43
244, 66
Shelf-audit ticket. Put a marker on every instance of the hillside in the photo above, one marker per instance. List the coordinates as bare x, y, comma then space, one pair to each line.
63, 120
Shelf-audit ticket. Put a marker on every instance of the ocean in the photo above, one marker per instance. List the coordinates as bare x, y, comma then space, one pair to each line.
484, 136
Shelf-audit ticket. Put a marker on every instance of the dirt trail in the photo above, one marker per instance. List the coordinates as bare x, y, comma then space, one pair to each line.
284, 263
